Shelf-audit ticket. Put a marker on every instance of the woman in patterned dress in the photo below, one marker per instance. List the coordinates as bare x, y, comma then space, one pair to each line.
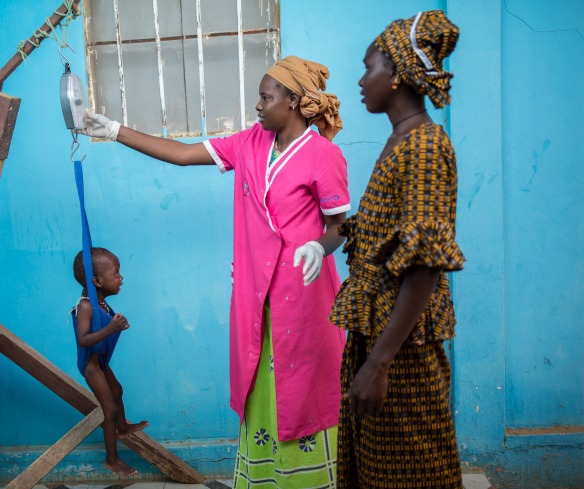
396, 428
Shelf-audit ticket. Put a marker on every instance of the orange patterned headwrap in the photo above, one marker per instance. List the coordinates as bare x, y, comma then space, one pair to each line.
418, 46
308, 79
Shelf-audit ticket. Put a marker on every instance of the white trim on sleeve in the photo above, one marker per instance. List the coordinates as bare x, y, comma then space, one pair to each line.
336, 210
215, 156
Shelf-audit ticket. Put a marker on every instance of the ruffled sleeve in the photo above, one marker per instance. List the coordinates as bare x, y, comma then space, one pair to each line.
424, 233
427, 243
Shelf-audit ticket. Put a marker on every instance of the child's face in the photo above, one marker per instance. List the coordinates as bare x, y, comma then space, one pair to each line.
107, 276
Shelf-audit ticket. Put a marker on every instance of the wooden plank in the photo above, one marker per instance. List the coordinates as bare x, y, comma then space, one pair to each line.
15, 61
46, 373
85, 402
66, 444
8, 111
168, 463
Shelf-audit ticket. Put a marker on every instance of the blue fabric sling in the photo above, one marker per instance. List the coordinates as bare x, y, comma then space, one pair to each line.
99, 317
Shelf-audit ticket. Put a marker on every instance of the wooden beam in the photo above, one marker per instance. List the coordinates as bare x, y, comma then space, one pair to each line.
15, 61
169, 464
84, 401
8, 111
66, 444
46, 373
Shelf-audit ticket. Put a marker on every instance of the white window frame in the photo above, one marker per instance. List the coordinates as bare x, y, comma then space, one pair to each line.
273, 45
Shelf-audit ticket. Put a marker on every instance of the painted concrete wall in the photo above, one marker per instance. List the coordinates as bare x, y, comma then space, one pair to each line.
516, 126
543, 152
518, 353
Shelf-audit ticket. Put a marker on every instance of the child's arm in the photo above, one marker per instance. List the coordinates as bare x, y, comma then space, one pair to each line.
85, 337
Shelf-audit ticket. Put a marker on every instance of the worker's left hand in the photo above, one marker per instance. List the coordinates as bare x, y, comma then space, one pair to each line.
312, 253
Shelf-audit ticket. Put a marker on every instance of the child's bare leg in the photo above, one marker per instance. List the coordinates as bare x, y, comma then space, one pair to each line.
124, 428
98, 384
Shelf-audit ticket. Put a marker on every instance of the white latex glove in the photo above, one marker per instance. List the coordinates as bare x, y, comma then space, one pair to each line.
99, 126
312, 253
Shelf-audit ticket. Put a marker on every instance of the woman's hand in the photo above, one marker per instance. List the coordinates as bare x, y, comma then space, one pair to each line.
99, 126
369, 389
312, 254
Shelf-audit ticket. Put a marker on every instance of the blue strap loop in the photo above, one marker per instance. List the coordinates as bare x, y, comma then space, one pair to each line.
96, 320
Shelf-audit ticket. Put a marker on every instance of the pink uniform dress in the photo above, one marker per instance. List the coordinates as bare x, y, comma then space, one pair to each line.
278, 208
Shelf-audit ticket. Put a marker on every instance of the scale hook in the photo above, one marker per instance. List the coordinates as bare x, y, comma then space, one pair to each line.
75, 146
64, 59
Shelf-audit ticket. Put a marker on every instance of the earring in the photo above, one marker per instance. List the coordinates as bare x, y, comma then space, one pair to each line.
395, 82
292, 107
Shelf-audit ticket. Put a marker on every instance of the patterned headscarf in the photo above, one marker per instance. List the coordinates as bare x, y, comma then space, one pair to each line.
306, 78
418, 46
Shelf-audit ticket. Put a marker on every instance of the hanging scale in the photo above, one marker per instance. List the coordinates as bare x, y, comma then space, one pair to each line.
72, 97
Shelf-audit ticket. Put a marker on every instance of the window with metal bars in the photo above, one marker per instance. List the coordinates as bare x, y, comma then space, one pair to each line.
179, 67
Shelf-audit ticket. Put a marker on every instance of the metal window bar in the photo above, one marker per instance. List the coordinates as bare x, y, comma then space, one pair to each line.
267, 30
241, 62
201, 69
160, 65
120, 62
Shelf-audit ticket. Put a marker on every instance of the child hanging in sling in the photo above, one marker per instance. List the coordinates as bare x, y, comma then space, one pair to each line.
97, 330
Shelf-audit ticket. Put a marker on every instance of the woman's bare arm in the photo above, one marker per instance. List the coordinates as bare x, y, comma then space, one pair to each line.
369, 388
164, 149
330, 240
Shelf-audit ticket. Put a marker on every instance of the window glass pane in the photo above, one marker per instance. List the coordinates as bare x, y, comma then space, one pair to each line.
169, 17
189, 17
137, 19
103, 20
181, 93
258, 14
142, 87
107, 94
218, 16
255, 47
222, 83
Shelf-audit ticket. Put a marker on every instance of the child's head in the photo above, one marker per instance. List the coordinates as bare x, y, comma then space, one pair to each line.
106, 271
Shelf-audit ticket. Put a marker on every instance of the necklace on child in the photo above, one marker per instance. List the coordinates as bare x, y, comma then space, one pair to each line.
103, 305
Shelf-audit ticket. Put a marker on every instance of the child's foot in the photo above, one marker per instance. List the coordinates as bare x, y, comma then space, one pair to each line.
130, 428
121, 468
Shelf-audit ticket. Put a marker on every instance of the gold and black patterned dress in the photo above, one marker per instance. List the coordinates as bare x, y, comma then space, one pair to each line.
406, 217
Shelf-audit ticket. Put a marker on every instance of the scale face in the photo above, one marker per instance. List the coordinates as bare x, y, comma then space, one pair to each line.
73, 101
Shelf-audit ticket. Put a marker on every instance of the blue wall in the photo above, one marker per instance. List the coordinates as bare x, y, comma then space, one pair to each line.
516, 126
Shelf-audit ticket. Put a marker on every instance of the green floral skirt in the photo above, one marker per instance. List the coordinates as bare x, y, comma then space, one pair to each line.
265, 462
